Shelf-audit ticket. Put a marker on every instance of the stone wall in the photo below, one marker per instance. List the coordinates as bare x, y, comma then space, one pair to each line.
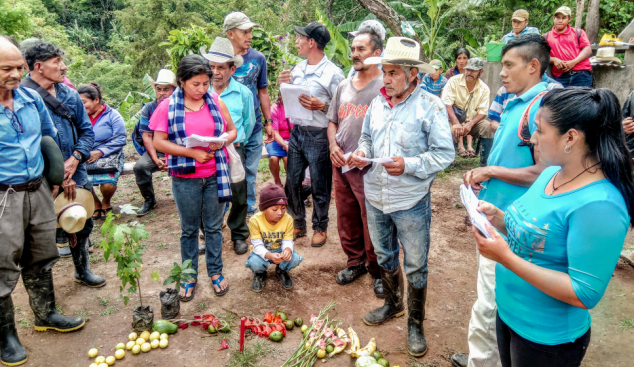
618, 80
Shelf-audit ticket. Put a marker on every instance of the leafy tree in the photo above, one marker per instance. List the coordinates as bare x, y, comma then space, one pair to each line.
15, 19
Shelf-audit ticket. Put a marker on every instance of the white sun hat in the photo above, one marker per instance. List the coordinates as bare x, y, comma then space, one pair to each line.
72, 215
165, 77
401, 51
222, 51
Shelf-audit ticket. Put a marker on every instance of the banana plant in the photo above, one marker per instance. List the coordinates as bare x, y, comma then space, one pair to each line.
338, 48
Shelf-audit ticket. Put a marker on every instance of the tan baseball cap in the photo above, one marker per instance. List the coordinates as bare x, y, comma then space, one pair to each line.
521, 15
436, 64
238, 20
564, 10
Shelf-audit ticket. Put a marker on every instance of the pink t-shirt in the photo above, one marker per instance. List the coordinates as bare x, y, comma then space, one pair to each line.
280, 122
565, 46
200, 123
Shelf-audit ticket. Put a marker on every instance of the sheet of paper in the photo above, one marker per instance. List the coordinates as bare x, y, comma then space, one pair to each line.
203, 141
377, 160
292, 107
346, 168
470, 202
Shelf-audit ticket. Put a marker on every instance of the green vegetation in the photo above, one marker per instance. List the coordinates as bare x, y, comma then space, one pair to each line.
251, 355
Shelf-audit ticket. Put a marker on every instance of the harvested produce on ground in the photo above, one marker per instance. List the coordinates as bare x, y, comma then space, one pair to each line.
146, 347
270, 324
130, 345
119, 354
119, 346
155, 335
298, 322
289, 324
136, 349
132, 337
145, 335
110, 360
154, 344
205, 322
355, 351
224, 344
140, 341
276, 336
163, 343
304, 328
92, 353
281, 315
100, 359
164, 336
163, 327
383, 362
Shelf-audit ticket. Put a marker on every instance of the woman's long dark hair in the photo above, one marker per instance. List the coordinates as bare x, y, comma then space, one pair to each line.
191, 66
461, 51
596, 113
92, 91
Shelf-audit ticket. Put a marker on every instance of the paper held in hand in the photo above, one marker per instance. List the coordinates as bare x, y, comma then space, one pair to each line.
292, 107
470, 202
203, 141
347, 168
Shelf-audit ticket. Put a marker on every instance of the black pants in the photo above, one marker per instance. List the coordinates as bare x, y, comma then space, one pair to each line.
308, 147
237, 219
516, 351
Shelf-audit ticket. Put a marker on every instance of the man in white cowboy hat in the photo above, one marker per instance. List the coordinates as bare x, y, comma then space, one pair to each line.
27, 213
252, 74
409, 127
151, 160
308, 146
74, 137
239, 101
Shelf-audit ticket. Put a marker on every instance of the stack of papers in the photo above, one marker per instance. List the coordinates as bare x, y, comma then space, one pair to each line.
203, 141
346, 168
470, 202
292, 107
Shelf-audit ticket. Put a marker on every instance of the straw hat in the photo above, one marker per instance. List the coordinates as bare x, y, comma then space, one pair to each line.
72, 215
222, 51
605, 54
165, 77
401, 51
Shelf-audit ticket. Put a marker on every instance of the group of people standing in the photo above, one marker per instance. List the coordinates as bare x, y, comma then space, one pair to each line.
557, 186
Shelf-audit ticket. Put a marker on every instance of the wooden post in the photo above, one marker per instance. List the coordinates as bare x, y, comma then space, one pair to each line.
579, 13
592, 21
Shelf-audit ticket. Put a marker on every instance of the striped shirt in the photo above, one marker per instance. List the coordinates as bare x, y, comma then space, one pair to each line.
432, 87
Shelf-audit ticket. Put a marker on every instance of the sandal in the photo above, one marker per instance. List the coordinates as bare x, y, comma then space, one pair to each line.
471, 153
101, 214
463, 153
217, 283
106, 211
187, 287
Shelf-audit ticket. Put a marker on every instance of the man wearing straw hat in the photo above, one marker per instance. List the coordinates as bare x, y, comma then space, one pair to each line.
239, 101
151, 160
408, 130
27, 214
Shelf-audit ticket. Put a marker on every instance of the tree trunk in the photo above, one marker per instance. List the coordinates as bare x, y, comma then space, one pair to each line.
592, 21
579, 18
384, 12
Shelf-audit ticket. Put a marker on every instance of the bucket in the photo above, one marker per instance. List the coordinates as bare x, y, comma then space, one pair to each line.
494, 51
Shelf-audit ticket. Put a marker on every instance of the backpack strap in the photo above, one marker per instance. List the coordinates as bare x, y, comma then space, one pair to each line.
53, 103
523, 130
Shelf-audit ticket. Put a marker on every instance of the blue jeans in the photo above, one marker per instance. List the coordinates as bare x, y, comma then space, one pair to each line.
259, 265
253, 150
580, 78
197, 198
411, 227
308, 147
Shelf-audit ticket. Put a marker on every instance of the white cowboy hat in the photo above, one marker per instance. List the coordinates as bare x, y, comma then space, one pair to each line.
605, 54
165, 77
222, 51
72, 215
401, 51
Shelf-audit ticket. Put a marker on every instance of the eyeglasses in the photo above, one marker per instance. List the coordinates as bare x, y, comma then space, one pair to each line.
14, 120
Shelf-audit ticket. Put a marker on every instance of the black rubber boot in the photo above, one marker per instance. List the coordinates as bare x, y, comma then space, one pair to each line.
284, 277
240, 247
459, 360
349, 275
13, 353
257, 284
81, 260
147, 191
42, 300
394, 305
485, 148
416, 342
378, 288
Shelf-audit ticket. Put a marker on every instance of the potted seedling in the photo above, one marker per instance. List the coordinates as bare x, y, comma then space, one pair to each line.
170, 302
121, 241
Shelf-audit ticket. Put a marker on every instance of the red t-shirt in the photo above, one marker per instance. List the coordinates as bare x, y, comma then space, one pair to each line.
200, 122
565, 46
280, 122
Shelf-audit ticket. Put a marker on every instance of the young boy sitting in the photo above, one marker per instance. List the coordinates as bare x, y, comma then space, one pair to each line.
272, 239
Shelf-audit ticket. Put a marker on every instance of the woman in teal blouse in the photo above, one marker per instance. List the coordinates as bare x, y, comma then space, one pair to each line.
564, 236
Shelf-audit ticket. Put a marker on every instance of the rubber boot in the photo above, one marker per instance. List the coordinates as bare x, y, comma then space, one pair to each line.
13, 353
147, 191
81, 260
416, 342
485, 148
394, 305
42, 300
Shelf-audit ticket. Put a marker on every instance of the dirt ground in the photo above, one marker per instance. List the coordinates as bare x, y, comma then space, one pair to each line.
451, 294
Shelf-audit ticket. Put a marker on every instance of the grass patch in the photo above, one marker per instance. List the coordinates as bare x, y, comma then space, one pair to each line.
94, 259
60, 310
25, 323
83, 313
460, 164
17, 309
104, 301
108, 311
202, 306
627, 323
251, 356
162, 246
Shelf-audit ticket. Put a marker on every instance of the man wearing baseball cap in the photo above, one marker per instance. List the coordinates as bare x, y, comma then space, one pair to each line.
434, 82
467, 100
252, 74
519, 22
569, 51
308, 146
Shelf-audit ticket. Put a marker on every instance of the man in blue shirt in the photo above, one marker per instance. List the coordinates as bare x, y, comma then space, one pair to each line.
239, 101
252, 74
27, 213
434, 82
519, 22
74, 137
511, 170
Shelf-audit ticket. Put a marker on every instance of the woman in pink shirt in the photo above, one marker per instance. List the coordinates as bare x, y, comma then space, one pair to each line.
200, 176
282, 133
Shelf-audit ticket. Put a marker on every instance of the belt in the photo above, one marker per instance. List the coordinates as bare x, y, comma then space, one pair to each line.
311, 128
30, 186
574, 72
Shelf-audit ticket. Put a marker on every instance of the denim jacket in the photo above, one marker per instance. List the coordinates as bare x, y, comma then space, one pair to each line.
416, 129
73, 136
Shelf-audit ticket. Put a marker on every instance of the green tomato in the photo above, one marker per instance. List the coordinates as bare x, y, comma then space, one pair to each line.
329, 348
298, 322
282, 315
304, 328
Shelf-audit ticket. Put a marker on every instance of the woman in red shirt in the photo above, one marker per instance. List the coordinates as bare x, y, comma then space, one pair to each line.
200, 176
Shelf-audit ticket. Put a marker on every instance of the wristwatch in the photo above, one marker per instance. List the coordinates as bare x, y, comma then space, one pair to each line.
77, 156
326, 106
268, 121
